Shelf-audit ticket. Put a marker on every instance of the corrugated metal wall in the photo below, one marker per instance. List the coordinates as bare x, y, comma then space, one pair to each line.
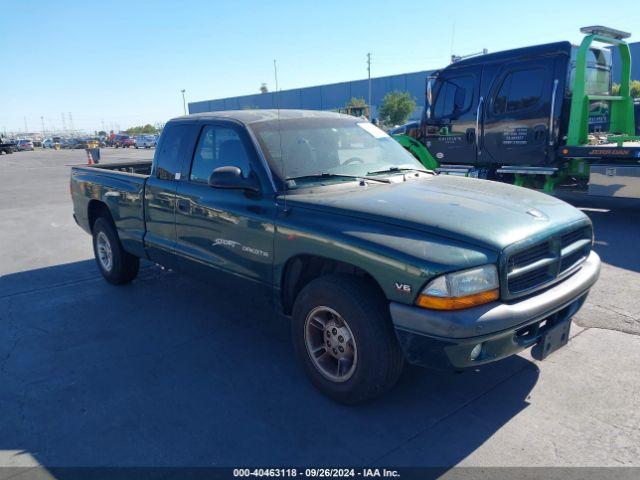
635, 63
336, 95
325, 97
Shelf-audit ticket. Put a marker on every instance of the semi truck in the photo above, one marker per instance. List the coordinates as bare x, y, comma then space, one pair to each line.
541, 116
371, 258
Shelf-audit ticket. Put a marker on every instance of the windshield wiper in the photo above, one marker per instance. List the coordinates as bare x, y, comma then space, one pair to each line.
338, 175
397, 169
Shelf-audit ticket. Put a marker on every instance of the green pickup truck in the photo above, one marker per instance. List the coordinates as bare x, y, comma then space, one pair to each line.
374, 259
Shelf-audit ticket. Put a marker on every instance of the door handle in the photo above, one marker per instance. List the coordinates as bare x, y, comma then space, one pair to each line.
478, 115
539, 133
183, 205
471, 135
552, 112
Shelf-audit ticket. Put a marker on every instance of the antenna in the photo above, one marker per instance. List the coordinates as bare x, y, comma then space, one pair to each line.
284, 175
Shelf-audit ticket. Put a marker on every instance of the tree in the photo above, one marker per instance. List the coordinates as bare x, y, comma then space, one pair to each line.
264, 88
141, 129
102, 133
396, 108
634, 88
356, 102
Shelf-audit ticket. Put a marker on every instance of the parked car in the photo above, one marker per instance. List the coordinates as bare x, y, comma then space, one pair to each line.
373, 259
7, 146
75, 143
126, 141
122, 141
24, 145
48, 143
146, 141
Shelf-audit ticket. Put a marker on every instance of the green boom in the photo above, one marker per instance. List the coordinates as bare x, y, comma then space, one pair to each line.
622, 118
418, 150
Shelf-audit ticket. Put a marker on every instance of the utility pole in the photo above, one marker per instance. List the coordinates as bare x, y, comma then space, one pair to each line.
369, 77
184, 103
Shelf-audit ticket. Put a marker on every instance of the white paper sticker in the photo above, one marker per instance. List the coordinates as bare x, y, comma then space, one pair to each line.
373, 130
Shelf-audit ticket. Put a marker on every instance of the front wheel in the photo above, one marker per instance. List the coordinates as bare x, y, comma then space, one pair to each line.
343, 335
116, 265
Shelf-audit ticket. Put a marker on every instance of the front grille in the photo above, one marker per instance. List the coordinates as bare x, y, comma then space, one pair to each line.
528, 256
536, 266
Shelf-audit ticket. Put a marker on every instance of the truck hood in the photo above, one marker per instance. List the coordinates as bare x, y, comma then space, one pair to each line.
480, 212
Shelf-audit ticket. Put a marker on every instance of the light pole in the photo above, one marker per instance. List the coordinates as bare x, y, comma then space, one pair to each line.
369, 81
184, 103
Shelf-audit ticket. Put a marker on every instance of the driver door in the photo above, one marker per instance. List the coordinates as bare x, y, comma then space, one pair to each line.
451, 133
225, 235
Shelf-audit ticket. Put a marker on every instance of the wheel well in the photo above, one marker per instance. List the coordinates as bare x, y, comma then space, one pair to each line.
96, 210
302, 269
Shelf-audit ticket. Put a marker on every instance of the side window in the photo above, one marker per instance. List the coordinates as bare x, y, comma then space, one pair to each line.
175, 145
218, 147
519, 90
454, 97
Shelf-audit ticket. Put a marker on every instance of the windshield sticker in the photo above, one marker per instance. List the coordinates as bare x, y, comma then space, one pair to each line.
372, 130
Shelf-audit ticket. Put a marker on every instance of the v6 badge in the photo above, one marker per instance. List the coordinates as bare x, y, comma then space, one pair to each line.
403, 287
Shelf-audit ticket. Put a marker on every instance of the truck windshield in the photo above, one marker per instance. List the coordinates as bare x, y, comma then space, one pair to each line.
330, 149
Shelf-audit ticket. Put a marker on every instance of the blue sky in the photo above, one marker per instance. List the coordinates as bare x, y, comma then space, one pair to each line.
124, 63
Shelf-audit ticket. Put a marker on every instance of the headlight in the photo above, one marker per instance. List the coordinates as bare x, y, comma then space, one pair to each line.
463, 289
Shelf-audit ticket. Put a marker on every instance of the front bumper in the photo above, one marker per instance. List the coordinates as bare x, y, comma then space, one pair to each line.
444, 339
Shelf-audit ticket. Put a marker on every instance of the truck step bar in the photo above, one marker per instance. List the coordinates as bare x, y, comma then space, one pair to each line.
527, 170
459, 170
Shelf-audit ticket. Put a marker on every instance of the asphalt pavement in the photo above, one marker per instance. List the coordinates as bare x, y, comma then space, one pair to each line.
169, 371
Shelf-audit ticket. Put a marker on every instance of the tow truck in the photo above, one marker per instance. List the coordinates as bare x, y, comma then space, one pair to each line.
541, 116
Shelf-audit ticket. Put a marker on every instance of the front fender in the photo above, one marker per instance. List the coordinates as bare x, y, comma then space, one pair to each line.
401, 260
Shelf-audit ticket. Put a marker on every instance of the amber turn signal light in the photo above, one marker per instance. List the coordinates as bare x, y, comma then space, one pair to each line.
457, 303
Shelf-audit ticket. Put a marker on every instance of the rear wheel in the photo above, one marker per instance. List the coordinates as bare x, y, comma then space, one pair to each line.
116, 265
344, 337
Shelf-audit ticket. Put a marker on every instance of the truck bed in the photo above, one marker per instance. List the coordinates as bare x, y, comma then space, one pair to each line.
142, 167
121, 188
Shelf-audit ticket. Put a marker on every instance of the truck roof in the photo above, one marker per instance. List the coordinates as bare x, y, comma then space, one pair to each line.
524, 52
260, 115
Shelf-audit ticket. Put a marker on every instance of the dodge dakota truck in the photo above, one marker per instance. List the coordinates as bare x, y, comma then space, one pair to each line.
373, 259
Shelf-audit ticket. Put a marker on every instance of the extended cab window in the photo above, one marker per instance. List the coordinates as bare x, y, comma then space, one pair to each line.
519, 90
176, 143
218, 147
454, 97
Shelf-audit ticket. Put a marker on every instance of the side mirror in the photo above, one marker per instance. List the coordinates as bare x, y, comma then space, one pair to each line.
231, 178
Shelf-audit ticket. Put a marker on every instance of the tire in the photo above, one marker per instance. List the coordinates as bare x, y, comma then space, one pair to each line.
116, 265
376, 359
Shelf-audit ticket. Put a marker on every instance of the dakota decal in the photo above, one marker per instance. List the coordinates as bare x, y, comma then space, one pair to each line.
245, 248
